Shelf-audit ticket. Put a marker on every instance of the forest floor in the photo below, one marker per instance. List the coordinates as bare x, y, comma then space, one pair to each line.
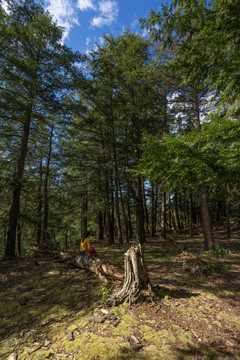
45, 305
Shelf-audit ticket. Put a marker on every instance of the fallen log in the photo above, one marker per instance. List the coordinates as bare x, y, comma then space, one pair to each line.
105, 271
136, 284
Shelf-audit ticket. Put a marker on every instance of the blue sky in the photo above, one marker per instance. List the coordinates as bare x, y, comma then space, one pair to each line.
86, 21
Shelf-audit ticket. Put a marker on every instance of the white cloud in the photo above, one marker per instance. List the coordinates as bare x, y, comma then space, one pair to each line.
101, 40
64, 13
108, 13
86, 5
87, 40
135, 23
5, 6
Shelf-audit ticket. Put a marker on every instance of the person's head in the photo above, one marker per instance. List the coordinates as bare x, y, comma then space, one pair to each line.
87, 233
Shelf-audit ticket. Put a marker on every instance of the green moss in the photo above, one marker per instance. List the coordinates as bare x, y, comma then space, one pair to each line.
182, 335
231, 319
91, 345
159, 338
152, 322
125, 328
143, 316
155, 353
119, 310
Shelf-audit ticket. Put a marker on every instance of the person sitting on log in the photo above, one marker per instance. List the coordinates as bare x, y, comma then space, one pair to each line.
85, 243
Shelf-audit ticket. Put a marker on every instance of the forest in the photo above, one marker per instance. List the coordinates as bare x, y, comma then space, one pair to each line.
136, 142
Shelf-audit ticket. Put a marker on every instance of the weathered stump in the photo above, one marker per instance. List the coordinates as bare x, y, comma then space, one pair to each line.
136, 282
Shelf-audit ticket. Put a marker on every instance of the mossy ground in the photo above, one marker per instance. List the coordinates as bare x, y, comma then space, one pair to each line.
43, 300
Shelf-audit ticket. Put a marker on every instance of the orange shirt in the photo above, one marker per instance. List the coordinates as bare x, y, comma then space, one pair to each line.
85, 245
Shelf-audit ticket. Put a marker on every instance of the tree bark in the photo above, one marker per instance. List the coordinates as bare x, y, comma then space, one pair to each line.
145, 210
116, 190
124, 214
109, 227
140, 232
163, 216
105, 271
136, 281
45, 194
177, 212
209, 242
153, 211
100, 226
191, 213
15, 203
19, 238
40, 201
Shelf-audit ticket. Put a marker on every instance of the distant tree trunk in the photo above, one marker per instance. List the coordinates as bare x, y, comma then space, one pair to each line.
129, 210
209, 242
163, 216
140, 232
45, 194
109, 224
145, 210
177, 212
100, 226
169, 213
15, 203
39, 207
112, 209
227, 215
116, 190
19, 238
66, 237
84, 225
124, 214
191, 213
153, 211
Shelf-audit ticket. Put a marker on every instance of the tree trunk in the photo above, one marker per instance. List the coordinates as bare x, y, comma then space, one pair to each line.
145, 210
170, 216
209, 243
140, 232
163, 216
109, 225
191, 214
204, 208
136, 282
19, 238
124, 214
45, 195
100, 226
116, 190
39, 207
129, 210
15, 203
153, 215
84, 222
177, 212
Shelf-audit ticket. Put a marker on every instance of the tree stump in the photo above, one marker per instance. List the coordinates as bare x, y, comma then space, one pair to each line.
136, 282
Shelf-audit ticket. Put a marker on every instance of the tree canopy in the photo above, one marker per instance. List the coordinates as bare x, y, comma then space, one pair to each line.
139, 136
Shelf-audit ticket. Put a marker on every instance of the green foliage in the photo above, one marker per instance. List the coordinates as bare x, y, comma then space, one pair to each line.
104, 292
219, 252
196, 159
